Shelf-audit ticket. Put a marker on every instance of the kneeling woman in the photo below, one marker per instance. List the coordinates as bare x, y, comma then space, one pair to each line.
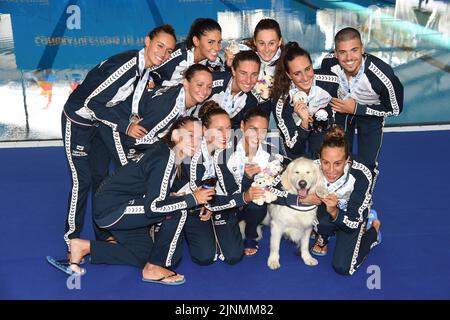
212, 231
345, 209
244, 160
137, 197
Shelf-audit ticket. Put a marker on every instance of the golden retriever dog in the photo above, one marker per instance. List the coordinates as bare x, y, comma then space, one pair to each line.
294, 222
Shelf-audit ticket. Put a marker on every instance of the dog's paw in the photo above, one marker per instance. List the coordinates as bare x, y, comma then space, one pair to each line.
273, 263
310, 261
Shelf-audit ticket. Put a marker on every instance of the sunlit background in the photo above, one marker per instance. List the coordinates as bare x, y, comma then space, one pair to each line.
48, 46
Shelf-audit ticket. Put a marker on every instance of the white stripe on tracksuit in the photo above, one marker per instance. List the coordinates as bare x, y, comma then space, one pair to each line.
75, 184
173, 243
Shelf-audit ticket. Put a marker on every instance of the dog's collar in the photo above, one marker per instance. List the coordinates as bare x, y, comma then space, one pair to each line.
303, 207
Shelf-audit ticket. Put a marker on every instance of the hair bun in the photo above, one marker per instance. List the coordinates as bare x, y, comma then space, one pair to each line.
207, 107
336, 133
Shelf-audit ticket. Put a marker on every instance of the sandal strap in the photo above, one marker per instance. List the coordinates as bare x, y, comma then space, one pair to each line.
75, 264
167, 276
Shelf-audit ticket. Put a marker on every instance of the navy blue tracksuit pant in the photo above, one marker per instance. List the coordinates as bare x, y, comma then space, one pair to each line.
370, 136
135, 245
120, 154
88, 162
253, 215
217, 237
351, 248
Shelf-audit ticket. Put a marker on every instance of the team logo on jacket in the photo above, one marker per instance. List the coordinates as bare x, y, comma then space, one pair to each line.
80, 148
160, 91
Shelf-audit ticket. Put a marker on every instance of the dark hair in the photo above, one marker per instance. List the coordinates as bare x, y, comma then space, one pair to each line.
208, 110
267, 24
167, 28
281, 81
246, 55
198, 29
196, 67
255, 111
346, 34
179, 123
335, 138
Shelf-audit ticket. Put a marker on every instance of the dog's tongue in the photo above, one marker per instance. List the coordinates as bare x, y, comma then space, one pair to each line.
303, 193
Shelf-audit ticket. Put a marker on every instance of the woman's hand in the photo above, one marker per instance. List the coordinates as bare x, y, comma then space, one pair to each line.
301, 109
253, 193
135, 130
229, 56
331, 201
343, 106
205, 214
251, 169
203, 195
311, 198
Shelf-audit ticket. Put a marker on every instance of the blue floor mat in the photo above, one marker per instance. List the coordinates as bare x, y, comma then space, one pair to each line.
412, 262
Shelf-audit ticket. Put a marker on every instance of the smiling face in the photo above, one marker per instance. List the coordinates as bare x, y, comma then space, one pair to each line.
332, 162
267, 43
188, 138
218, 132
349, 53
198, 88
208, 45
301, 72
245, 76
255, 130
158, 49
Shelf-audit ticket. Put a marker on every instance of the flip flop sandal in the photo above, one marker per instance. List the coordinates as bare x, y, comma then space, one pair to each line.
320, 248
370, 217
251, 244
160, 280
66, 261
64, 266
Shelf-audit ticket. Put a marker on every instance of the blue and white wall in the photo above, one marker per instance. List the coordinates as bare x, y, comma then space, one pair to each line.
47, 46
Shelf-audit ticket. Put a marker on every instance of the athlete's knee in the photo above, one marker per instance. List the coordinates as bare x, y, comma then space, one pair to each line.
234, 258
203, 261
341, 268
203, 257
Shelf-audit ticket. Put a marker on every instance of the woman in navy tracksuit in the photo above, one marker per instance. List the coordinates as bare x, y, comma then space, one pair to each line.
137, 197
202, 45
267, 42
212, 231
244, 160
92, 102
344, 211
158, 109
298, 94
233, 92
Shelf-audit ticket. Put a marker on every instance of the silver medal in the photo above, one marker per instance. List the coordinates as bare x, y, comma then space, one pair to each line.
300, 96
322, 192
